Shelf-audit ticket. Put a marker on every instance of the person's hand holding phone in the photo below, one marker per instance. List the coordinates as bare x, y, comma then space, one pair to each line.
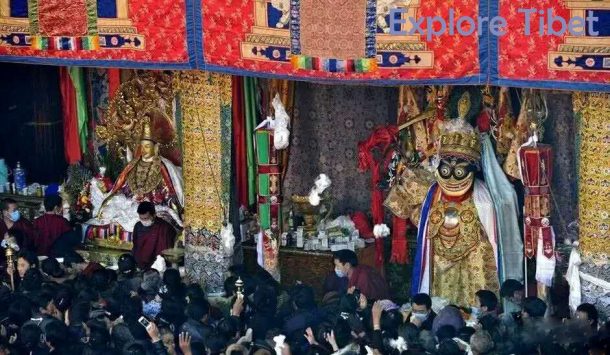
153, 332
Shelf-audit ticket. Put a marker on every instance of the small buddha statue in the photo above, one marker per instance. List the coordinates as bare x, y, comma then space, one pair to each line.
148, 177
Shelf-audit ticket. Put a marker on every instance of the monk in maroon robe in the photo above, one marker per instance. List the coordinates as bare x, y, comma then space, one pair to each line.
12, 220
51, 226
151, 235
362, 277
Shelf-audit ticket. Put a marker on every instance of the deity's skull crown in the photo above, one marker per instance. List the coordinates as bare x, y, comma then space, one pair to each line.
459, 140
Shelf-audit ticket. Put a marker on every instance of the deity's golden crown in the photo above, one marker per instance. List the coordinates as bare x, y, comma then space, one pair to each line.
464, 145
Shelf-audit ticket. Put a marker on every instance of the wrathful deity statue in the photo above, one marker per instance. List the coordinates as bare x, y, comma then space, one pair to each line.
148, 177
456, 243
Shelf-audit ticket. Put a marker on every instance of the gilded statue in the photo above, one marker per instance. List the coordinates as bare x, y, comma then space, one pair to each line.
148, 177
456, 244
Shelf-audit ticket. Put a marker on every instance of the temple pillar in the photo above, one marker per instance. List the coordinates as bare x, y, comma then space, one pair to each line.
593, 110
205, 104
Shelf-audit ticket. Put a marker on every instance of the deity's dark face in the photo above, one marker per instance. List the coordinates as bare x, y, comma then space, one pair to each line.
455, 176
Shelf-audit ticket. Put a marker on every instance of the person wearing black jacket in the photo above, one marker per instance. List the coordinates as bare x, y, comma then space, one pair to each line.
421, 314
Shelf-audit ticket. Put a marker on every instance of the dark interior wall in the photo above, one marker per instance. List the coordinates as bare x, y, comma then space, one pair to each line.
31, 129
329, 121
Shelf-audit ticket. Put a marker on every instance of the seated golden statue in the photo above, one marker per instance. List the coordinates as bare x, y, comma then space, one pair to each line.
147, 177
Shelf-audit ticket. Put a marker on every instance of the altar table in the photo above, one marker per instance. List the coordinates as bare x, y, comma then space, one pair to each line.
310, 267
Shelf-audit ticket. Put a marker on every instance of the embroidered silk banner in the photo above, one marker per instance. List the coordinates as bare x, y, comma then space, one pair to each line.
353, 40
562, 50
136, 33
526, 43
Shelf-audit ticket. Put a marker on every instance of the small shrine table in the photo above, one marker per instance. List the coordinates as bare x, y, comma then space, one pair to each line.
310, 267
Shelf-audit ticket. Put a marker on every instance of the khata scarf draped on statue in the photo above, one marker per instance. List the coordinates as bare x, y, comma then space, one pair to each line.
510, 246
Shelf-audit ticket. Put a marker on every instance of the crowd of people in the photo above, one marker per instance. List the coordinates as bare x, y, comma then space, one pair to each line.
70, 306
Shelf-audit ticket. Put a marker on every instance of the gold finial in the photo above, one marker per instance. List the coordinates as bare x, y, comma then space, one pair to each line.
464, 105
147, 132
239, 284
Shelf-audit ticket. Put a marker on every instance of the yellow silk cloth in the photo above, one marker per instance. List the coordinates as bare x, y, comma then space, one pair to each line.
594, 190
205, 105
205, 98
462, 257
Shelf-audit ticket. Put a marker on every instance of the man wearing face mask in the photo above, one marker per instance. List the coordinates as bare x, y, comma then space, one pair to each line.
51, 226
421, 314
151, 235
12, 220
362, 277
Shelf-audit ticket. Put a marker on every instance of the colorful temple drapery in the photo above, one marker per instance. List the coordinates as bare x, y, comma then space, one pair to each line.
70, 108
250, 101
239, 141
78, 80
385, 42
205, 102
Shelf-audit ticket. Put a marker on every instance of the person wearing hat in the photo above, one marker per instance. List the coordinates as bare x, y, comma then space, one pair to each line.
151, 235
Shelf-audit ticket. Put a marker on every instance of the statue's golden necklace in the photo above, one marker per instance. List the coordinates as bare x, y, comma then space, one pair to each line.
145, 176
454, 228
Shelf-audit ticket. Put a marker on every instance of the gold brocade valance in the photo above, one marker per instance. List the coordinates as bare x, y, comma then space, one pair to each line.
594, 173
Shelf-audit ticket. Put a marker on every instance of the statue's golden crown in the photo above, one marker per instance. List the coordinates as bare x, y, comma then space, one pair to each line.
461, 145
